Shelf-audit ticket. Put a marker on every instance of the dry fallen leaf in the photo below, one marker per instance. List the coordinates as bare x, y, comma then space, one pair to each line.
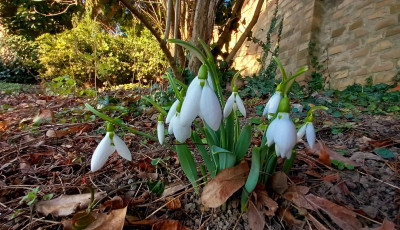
173, 203
343, 217
115, 203
386, 225
279, 182
296, 194
289, 219
45, 116
324, 157
227, 182
169, 225
256, 217
114, 220
65, 205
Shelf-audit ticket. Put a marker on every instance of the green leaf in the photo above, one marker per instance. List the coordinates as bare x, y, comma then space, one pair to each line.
188, 164
218, 150
385, 153
350, 166
157, 106
255, 120
48, 196
254, 170
243, 143
156, 187
204, 153
336, 114
192, 49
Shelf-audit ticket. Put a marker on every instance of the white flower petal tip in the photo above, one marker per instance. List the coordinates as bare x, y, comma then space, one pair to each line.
105, 149
121, 148
190, 106
240, 105
171, 112
272, 106
210, 109
160, 132
283, 133
229, 106
181, 132
301, 132
310, 134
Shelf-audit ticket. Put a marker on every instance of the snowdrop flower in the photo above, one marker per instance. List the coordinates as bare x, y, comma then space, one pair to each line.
308, 130
272, 105
282, 131
108, 146
176, 127
160, 129
235, 103
202, 101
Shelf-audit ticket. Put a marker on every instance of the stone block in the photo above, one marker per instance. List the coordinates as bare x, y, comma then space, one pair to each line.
356, 24
337, 49
382, 45
385, 23
393, 53
341, 74
303, 46
342, 83
359, 72
381, 13
393, 31
302, 54
362, 80
398, 63
352, 45
370, 61
383, 3
302, 62
382, 67
395, 8
374, 38
338, 32
360, 32
360, 52
386, 77
338, 14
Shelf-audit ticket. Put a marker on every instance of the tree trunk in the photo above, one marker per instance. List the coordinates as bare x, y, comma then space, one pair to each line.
245, 34
203, 25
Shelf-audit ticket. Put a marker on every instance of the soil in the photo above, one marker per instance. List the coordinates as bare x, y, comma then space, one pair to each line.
31, 156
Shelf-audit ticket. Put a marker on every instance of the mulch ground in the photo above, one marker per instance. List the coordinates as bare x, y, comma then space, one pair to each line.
55, 155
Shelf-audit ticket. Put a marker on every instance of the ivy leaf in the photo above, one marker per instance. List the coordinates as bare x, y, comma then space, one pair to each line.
385, 153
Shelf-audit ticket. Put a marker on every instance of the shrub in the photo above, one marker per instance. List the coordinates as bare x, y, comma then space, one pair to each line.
18, 59
119, 57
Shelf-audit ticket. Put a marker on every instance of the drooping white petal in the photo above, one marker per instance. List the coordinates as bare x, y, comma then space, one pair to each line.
265, 112
273, 106
210, 109
310, 134
209, 80
181, 132
270, 132
301, 132
160, 132
277, 151
229, 105
171, 112
101, 154
240, 105
285, 135
190, 106
171, 125
121, 148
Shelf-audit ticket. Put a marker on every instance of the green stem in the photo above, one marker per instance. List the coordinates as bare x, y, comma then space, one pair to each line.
157, 106
120, 124
289, 162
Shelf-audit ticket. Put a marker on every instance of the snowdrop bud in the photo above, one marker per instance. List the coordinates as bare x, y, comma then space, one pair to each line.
160, 129
190, 106
310, 134
210, 109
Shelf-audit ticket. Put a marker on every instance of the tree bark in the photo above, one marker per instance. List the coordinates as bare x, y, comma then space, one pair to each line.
245, 34
161, 42
223, 38
203, 25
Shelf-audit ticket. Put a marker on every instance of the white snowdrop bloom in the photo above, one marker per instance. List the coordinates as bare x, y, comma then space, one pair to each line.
308, 130
110, 143
283, 133
202, 101
272, 105
210, 109
234, 102
190, 106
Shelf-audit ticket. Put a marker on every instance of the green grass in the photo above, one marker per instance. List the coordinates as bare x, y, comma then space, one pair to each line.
15, 88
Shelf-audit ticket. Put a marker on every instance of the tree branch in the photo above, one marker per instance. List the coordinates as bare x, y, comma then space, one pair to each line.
246, 33
161, 42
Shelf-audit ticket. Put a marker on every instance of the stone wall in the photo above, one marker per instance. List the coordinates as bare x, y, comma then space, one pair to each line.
356, 39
